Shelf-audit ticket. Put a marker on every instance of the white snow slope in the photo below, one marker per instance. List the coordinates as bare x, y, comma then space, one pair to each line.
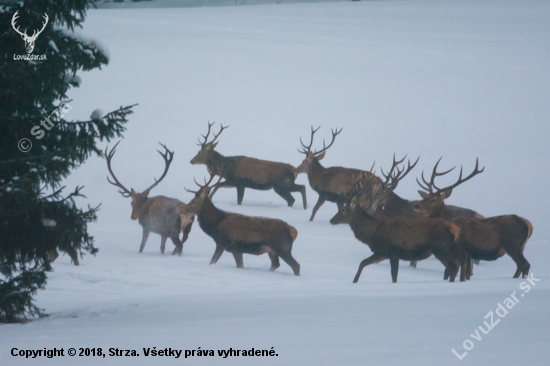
458, 79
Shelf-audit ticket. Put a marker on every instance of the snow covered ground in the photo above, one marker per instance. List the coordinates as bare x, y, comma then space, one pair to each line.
458, 79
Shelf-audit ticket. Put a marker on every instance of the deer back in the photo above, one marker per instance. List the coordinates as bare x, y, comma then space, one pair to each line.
256, 172
160, 214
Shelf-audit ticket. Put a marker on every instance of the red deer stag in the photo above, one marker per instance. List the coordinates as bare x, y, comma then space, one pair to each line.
487, 239
334, 183
244, 172
240, 234
158, 214
398, 238
397, 207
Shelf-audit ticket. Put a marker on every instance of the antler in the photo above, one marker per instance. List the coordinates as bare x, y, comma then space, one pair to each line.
168, 156
206, 184
307, 149
222, 127
392, 179
108, 156
35, 33
334, 134
429, 186
13, 19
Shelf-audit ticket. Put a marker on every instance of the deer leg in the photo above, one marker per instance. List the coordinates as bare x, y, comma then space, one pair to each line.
274, 260
394, 263
238, 259
179, 246
375, 258
163, 243
302, 189
469, 266
53, 254
523, 265
285, 193
320, 201
240, 194
73, 254
217, 254
445, 263
144, 239
186, 232
287, 257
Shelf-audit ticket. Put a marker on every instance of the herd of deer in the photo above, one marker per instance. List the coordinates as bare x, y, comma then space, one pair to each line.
393, 228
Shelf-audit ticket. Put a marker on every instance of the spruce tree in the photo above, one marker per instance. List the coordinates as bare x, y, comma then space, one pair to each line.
37, 216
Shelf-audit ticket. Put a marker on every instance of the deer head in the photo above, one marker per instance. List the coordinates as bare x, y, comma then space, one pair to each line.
311, 155
433, 197
138, 199
374, 194
29, 40
202, 156
196, 204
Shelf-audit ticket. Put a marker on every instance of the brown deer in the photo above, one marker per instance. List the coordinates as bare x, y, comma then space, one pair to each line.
244, 172
240, 234
158, 214
333, 184
413, 238
487, 239
397, 207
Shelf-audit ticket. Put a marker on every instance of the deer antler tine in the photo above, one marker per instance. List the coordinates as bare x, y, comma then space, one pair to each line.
420, 184
108, 157
372, 167
461, 180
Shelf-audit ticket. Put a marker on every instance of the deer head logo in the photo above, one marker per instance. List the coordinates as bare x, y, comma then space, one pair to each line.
29, 40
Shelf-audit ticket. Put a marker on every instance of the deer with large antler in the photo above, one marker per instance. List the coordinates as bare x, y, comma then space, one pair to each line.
240, 234
244, 172
333, 184
29, 40
413, 238
158, 214
486, 239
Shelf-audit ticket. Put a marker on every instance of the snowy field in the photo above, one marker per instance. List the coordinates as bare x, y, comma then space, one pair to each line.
458, 79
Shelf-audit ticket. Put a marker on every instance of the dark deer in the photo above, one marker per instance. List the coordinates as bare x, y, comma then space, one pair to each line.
413, 238
486, 239
244, 172
240, 234
397, 207
333, 184
158, 214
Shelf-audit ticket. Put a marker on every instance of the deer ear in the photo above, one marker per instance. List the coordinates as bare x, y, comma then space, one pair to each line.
447, 194
213, 145
321, 155
423, 194
133, 193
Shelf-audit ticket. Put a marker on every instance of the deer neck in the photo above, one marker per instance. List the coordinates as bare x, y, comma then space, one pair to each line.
209, 216
315, 170
440, 210
397, 206
361, 224
215, 161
